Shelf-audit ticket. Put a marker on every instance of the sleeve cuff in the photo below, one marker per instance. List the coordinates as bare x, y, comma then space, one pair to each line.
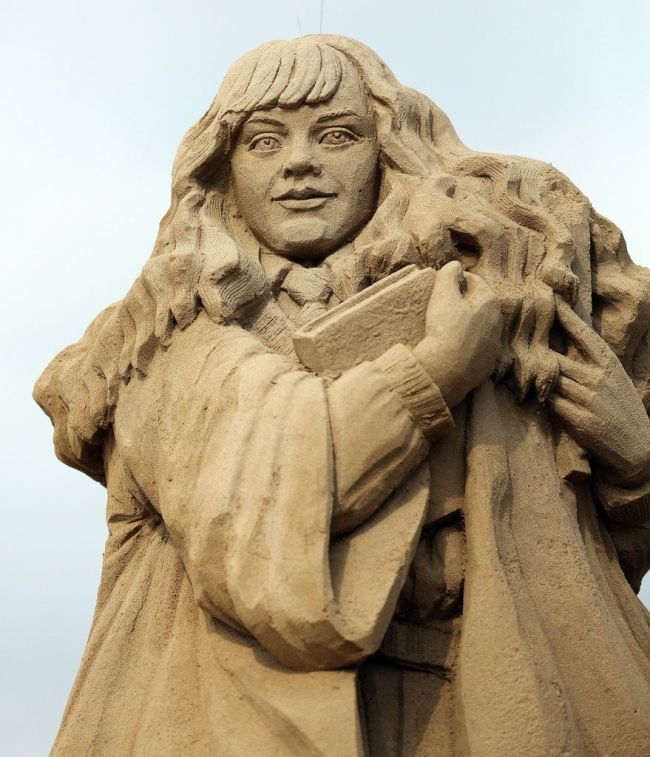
623, 504
419, 394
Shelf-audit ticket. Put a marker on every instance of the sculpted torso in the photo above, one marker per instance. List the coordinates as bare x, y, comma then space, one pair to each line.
423, 539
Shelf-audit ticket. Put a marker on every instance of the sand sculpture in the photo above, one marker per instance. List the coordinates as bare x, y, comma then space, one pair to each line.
372, 423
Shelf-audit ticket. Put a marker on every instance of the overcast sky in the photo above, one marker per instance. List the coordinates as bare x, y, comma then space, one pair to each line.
95, 98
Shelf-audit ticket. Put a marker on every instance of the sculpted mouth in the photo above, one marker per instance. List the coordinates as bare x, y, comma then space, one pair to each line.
307, 193
303, 200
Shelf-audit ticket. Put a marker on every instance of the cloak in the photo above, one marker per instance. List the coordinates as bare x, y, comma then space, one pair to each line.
304, 566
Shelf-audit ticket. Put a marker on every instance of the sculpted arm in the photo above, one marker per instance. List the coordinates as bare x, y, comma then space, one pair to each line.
459, 352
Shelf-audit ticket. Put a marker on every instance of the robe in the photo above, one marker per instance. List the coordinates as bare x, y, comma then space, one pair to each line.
270, 560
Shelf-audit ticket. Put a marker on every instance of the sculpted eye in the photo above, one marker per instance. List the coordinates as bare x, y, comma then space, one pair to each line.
264, 143
338, 137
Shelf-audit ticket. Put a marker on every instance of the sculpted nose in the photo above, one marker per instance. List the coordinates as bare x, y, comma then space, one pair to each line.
301, 162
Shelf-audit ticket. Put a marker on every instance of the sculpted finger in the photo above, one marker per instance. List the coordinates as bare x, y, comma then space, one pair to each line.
573, 416
450, 279
575, 370
582, 335
572, 390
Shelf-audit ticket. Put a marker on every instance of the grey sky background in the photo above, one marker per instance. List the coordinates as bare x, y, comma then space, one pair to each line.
95, 99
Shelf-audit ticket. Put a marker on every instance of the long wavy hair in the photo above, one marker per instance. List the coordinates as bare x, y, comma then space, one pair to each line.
517, 222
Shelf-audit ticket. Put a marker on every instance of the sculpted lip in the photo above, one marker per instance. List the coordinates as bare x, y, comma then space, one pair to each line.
306, 198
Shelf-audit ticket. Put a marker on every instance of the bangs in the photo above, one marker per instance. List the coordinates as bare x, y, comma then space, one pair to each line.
284, 74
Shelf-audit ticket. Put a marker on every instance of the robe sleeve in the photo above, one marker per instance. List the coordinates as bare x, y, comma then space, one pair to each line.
623, 504
372, 398
253, 463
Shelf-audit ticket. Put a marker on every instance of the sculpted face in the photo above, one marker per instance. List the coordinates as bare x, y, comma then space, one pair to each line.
305, 180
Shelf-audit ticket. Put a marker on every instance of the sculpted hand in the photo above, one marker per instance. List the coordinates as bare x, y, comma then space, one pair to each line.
597, 402
463, 333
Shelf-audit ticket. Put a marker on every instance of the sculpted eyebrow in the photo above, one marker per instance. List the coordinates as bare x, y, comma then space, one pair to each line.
338, 114
264, 120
